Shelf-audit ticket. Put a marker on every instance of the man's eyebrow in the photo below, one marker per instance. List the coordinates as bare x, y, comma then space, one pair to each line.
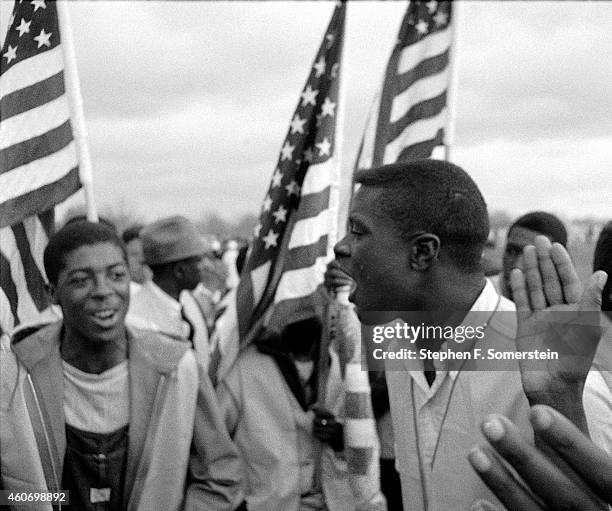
90, 268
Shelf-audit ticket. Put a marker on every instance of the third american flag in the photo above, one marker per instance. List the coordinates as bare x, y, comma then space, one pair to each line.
409, 117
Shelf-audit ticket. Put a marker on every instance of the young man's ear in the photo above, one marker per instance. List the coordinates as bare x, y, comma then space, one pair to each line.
424, 251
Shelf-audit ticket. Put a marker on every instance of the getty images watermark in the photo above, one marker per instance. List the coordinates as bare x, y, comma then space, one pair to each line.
478, 341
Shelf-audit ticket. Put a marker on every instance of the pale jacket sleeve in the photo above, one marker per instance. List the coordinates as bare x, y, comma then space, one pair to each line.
215, 474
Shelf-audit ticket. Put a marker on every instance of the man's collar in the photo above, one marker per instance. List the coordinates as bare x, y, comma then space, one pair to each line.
161, 295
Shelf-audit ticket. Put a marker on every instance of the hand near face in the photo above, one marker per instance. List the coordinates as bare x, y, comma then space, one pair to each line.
584, 484
554, 313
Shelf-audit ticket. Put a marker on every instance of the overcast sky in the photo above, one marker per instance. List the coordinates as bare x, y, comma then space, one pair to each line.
187, 104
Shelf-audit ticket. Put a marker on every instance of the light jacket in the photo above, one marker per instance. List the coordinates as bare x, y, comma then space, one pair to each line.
265, 420
171, 404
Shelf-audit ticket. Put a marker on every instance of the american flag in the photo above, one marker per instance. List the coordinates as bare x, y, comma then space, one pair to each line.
409, 116
290, 247
292, 243
38, 157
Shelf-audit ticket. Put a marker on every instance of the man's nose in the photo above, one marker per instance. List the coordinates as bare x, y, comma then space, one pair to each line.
341, 249
101, 286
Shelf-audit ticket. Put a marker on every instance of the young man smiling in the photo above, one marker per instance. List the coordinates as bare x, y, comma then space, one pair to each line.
120, 418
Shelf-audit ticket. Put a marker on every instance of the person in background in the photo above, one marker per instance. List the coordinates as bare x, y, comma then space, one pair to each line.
139, 271
267, 400
602, 260
117, 417
174, 251
522, 233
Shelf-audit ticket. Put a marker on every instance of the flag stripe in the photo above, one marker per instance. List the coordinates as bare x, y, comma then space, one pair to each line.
26, 308
35, 281
318, 177
428, 67
38, 237
301, 282
311, 205
419, 131
34, 122
37, 174
422, 149
421, 90
433, 45
33, 96
309, 230
306, 255
35, 148
35, 69
423, 110
15, 209
8, 285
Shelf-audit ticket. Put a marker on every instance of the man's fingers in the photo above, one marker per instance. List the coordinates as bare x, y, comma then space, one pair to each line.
550, 279
544, 478
572, 288
519, 290
500, 481
587, 460
591, 298
535, 288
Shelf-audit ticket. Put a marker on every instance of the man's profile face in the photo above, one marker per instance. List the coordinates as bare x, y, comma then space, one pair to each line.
189, 272
518, 239
136, 260
374, 255
93, 291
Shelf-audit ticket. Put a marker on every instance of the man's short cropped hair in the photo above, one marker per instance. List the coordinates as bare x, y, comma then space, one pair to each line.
544, 223
132, 233
73, 236
101, 220
437, 197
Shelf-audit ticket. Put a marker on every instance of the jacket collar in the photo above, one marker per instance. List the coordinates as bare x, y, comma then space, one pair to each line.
151, 355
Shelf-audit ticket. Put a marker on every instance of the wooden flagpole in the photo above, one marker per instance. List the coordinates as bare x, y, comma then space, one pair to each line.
453, 83
73, 89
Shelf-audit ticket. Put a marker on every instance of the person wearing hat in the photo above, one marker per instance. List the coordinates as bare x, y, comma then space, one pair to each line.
174, 251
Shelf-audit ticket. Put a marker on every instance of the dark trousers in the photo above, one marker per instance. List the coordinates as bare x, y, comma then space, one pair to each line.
390, 485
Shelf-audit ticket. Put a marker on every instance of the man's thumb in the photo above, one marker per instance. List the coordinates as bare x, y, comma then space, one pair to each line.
591, 298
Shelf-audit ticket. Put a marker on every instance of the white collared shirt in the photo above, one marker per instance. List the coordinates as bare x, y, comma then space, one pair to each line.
430, 403
152, 308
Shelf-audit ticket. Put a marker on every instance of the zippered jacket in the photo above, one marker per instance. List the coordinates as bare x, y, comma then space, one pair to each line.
179, 453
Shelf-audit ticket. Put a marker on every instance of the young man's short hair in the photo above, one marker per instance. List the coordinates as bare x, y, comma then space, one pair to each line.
437, 197
543, 223
73, 236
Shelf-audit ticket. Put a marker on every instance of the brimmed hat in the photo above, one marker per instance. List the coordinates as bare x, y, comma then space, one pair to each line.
170, 239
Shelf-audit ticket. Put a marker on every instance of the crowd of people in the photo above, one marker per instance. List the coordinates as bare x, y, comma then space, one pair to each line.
120, 401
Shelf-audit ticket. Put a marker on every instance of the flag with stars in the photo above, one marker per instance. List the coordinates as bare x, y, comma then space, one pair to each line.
290, 247
409, 116
38, 157
292, 243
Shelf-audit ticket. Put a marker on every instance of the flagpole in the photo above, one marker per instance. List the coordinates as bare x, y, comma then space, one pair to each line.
75, 99
339, 187
453, 84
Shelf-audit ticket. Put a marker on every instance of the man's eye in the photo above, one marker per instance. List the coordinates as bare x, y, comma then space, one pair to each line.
79, 281
356, 230
119, 275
